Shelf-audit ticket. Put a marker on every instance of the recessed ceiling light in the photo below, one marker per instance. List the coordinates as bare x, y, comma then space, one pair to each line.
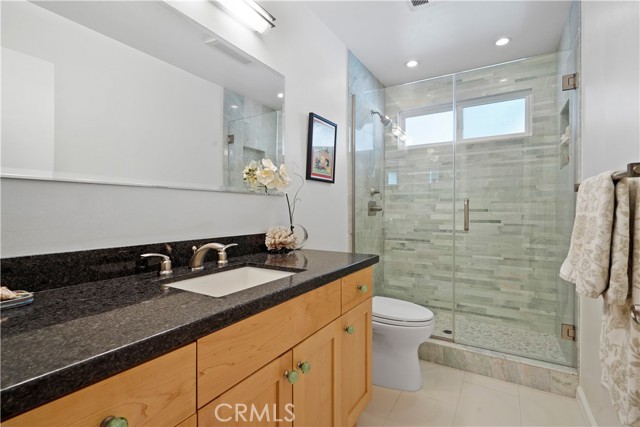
502, 41
280, 95
412, 63
235, 107
503, 80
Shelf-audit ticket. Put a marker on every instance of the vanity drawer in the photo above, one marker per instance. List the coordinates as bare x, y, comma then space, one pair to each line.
159, 393
356, 288
229, 355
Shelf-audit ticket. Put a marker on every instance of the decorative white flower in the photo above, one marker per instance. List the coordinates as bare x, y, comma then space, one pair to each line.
249, 174
266, 176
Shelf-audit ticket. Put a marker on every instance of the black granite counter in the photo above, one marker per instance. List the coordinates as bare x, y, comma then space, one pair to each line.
74, 336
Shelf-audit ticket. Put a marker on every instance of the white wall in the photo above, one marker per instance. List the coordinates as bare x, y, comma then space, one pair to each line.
46, 217
610, 140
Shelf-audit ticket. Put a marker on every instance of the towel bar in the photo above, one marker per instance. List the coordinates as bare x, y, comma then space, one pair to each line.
633, 171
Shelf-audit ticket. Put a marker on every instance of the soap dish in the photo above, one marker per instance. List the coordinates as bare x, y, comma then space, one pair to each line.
22, 298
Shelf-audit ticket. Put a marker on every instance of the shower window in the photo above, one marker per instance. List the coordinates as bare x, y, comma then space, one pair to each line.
504, 116
427, 126
486, 118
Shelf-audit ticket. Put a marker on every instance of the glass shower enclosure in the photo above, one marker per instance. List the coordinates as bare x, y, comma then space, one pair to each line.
475, 173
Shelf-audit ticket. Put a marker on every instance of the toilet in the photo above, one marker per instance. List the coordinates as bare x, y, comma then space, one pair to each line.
399, 327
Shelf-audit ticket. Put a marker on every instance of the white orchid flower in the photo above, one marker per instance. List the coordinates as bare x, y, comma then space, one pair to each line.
268, 164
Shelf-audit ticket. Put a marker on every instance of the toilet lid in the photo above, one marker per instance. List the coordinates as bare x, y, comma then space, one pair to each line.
391, 310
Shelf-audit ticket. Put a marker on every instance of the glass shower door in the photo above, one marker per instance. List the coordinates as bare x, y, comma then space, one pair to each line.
418, 197
509, 240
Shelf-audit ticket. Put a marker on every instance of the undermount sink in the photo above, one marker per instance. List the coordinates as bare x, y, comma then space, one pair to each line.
228, 282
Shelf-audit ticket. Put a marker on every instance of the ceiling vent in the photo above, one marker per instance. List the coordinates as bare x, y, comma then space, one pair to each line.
416, 3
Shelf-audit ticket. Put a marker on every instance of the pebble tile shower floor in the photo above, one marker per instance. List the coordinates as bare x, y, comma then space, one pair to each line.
531, 344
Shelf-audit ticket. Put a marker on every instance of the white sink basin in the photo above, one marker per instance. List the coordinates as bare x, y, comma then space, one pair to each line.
228, 282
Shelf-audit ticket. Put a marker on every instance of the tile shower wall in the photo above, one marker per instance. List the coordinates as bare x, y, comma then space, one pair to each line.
506, 267
368, 173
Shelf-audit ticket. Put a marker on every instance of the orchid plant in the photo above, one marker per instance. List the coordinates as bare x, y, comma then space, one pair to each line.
265, 176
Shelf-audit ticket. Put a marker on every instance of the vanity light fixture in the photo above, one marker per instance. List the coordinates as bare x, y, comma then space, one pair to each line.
412, 63
503, 41
249, 13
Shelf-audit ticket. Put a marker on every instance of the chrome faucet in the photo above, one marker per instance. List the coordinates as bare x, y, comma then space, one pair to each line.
198, 255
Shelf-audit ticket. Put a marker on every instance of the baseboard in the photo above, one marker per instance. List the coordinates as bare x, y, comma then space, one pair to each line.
583, 404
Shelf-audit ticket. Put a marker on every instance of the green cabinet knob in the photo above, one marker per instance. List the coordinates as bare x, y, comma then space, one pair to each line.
292, 376
305, 367
350, 330
112, 421
363, 288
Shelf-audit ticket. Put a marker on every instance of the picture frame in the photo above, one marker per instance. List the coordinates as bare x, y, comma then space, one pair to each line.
321, 149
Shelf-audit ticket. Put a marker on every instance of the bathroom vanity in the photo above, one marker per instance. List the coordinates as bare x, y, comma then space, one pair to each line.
296, 350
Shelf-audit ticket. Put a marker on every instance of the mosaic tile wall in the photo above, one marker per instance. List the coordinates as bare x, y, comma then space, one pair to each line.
506, 267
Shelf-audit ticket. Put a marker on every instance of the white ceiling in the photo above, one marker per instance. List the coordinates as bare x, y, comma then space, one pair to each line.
445, 36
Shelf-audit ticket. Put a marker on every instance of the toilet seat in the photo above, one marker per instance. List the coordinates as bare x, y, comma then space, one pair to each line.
395, 312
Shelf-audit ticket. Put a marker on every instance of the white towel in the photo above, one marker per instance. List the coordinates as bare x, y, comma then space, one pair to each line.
620, 335
587, 264
618, 289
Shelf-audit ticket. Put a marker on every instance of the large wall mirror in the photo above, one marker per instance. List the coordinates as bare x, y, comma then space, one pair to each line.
131, 92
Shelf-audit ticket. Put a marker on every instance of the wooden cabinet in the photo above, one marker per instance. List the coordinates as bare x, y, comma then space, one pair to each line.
356, 362
316, 394
157, 393
263, 399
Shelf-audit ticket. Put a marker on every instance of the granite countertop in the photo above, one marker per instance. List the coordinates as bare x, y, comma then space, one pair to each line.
74, 336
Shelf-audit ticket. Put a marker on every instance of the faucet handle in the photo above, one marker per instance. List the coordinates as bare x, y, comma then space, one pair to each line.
222, 254
228, 246
165, 264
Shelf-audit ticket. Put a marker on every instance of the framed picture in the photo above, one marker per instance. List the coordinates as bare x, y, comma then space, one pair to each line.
321, 151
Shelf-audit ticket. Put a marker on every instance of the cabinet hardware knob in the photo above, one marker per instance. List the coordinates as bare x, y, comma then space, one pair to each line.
292, 376
350, 330
112, 421
363, 288
305, 367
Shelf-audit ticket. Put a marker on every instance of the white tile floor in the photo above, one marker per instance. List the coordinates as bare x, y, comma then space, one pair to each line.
456, 398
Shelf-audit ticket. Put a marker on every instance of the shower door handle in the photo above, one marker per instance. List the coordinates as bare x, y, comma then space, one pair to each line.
466, 215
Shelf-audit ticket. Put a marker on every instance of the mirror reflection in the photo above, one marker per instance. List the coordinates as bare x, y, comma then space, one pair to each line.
131, 93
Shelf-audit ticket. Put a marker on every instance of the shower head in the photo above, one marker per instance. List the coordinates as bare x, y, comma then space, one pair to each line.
386, 121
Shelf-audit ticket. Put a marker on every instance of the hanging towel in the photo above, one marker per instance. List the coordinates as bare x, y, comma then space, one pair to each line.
617, 290
620, 335
587, 264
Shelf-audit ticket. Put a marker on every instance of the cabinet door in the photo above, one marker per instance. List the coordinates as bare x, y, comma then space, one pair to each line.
316, 394
263, 399
356, 362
